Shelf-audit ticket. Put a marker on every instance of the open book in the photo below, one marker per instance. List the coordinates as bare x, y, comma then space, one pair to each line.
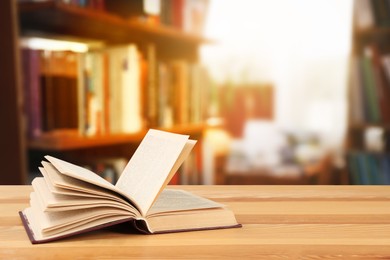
70, 200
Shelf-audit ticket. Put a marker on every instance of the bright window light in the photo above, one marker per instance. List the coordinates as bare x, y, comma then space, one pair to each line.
301, 47
53, 45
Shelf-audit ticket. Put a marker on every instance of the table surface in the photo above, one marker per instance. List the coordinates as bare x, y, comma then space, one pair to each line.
279, 222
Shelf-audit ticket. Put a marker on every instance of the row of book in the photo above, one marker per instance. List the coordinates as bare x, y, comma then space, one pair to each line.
369, 168
111, 91
111, 169
370, 87
50, 90
191, 171
371, 13
186, 15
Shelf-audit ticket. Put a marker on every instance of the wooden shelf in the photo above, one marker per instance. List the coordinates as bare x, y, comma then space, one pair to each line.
378, 35
362, 150
363, 126
57, 18
372, 32
71, 139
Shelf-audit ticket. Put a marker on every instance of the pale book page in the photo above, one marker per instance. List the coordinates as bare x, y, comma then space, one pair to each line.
183, 155
43, 194
38, 234
61, 191
59, 180
88, 206
149, 167
187, 220
81, 224
80, 173
38, 202
63, 202
60, 222
52, 220
179, 200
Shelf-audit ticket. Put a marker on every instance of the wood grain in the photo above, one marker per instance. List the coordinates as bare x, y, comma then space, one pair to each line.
279, 222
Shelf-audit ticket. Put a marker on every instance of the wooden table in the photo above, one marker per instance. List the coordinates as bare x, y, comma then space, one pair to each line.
279, 222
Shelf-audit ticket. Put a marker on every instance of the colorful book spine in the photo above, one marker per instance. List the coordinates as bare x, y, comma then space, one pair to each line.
367, 168
32, 90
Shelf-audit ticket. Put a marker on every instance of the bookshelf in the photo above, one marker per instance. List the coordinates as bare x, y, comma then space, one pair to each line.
368, 150
55, 19
94, 24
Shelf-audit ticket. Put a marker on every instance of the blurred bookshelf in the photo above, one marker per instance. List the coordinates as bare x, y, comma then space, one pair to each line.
144, 73
368, 150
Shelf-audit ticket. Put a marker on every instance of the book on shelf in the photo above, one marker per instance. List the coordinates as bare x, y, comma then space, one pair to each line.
165, 94
381, 10
194, 16
186, 15
382, 84
151, 87
70, 200
31, 90
370, 87
363, 14
358, 102
58, 89
109, 91
368, 168
127, 86
371, 13
50, 87
114, 90
109, 168
181, 97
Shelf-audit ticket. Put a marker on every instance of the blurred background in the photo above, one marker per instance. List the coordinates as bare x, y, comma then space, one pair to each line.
276, 92
285, 65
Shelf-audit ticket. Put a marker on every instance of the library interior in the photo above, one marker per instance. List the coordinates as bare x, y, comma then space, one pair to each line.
275, 92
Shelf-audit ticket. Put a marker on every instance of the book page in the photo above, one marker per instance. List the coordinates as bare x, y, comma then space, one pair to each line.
148, 169
180, 200
55, 202
35, 226
75, 174
78, 172
203, 219
53, 220
53, 176
64, 191
183, 155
